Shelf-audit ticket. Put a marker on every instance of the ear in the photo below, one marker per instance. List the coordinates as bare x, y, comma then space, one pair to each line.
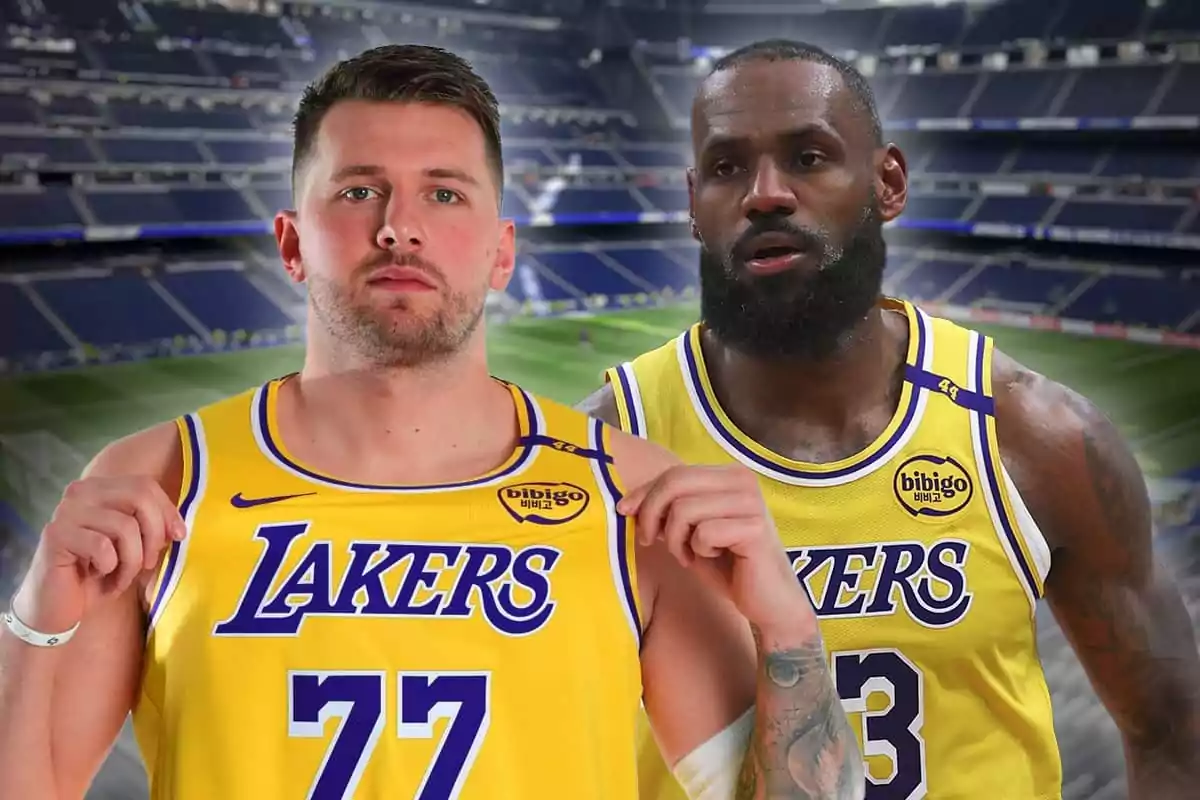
287, 238
691, 183
891, 182
506, 256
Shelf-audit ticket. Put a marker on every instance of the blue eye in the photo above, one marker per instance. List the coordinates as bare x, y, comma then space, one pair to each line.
358, 193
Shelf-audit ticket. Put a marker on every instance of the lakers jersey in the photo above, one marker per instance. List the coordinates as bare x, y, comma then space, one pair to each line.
919, 557
316, 638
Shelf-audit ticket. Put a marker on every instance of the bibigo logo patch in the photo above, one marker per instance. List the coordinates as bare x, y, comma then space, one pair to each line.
543, 503
932, 487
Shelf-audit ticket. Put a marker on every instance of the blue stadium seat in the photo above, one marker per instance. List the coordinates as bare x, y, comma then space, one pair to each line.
72, 108
1111, 91
1011, 285
1140, 300
275, 199
517, 156
928, 280
1181, 98
1175, 17
142, 150
970, 158
133, 58
1043, 159
1018, 210
1080, 21
934, 96
1127, 162
666, 198
36, 151
50, 207
924, 26
1010, 21
17, 110
587, 273
586, 156
528, 283
582, 201
940, 207
1017, 93
656, 157
1121, 216
224, 300
137, 114
120, 309
656, 266
25, 330
250, 151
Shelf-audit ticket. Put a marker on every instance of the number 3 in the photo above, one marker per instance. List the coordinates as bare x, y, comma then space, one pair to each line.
895, 731
359, 699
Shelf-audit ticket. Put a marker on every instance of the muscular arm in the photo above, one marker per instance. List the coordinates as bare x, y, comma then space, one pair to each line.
1117, 606
704, 667
61, 709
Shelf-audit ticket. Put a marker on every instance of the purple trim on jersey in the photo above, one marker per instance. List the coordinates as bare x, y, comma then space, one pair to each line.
972, 401
623, 381
185, 505
527, 451
622, 532
993, 479
693, 369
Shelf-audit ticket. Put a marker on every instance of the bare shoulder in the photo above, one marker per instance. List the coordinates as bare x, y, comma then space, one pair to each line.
155, 452
601, 404
637, 461
1068, 460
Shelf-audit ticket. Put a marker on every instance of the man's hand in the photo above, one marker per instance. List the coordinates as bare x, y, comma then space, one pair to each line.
104, 533
714, 521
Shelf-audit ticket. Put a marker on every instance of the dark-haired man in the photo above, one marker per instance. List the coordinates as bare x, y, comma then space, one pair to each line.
928, 489
391, 575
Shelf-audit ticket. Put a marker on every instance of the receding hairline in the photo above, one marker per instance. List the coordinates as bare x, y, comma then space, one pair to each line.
852, 84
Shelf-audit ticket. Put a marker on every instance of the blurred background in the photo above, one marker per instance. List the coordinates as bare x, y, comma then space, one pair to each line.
1054, 150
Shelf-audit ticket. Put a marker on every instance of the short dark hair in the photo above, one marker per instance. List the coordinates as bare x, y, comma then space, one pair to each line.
403, 73
792, 50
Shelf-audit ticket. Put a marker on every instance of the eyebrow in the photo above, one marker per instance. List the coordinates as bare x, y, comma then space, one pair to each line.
372, 170
721, 141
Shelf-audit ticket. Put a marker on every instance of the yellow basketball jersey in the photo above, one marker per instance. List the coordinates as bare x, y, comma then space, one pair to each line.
315, 638
919, 557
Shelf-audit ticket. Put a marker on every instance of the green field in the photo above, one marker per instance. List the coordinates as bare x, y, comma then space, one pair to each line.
1151, 391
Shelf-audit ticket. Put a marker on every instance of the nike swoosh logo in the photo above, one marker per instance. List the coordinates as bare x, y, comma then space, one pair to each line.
238, 501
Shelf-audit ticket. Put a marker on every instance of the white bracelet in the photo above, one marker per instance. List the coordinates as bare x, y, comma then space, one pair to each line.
36, 638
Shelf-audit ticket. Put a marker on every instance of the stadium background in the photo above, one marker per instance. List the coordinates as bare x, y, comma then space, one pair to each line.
144, 146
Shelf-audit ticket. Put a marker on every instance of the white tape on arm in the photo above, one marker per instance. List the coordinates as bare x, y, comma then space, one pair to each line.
710, 772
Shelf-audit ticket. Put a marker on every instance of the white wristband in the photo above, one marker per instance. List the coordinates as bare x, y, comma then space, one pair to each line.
36, 638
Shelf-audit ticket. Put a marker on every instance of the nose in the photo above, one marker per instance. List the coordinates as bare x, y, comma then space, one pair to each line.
769, 192
401, 227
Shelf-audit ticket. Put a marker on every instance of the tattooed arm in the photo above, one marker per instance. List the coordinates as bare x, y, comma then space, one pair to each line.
803, 746
728, 627
1116, 605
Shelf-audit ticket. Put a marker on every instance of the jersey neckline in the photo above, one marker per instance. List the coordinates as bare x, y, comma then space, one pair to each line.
774, 465
264, 421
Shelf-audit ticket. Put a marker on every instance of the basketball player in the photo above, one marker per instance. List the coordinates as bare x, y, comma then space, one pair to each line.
928, 489
391, 575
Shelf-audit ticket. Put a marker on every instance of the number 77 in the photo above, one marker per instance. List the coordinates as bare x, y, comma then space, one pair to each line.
359, 699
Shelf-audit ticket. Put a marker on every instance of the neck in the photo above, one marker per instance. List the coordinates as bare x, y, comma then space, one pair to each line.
398, 424
834, 393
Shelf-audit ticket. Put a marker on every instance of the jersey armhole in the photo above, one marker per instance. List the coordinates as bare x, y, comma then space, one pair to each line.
629, 399
194, 478
622, 543
1020, 537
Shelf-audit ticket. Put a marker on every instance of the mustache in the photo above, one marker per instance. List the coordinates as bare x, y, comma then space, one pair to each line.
806, 238
410, 260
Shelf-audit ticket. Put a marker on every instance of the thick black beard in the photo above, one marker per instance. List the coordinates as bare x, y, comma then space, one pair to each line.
798, 314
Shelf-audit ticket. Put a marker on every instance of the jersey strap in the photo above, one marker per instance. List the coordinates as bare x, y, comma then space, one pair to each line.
630, 411
194, 473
